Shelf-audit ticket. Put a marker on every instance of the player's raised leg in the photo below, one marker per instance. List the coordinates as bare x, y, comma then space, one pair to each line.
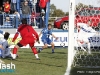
43, 47
88, 44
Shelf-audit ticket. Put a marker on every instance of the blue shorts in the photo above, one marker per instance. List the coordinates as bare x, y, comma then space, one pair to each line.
46, 41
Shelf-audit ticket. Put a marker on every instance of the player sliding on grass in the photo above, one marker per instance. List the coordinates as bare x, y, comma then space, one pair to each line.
4, 45
29, 36
83, 30
46, 32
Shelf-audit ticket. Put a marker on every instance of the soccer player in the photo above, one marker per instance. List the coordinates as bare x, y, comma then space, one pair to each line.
83, 30
1, 48
46, 32
29, 36
5, 46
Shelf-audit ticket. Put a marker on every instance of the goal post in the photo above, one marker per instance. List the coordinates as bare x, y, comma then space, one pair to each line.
70, 36
82, 11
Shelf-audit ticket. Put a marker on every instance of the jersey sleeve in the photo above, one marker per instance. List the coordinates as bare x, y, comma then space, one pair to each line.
36, 34
15, 36
43, 30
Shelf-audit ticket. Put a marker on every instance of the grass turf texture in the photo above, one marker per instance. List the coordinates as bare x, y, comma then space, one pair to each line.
50, 64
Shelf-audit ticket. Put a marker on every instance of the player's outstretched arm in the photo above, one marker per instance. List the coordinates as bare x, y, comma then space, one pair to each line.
36, 35
54, 36
15, 36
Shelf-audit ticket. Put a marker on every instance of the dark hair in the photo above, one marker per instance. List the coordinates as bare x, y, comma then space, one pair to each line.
49, 25
6, 35
24, 21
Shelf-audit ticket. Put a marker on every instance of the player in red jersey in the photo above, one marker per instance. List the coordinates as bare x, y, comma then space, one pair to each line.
29, 36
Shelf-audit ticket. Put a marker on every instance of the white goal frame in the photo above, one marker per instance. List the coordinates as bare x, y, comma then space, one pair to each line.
70, 36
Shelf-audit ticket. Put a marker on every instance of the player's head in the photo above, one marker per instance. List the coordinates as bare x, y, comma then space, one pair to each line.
6, 35
49, 26
24, 21
89, 22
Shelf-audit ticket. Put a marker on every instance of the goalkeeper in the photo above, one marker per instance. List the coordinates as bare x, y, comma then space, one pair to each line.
29, 36
83, 30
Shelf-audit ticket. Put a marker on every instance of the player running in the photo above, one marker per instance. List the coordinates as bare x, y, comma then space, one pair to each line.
29, 36
46, 32
83, 35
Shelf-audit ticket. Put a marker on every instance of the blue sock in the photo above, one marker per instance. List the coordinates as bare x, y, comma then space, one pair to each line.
52, 50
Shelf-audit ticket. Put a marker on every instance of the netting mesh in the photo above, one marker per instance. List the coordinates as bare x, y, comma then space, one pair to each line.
88, 10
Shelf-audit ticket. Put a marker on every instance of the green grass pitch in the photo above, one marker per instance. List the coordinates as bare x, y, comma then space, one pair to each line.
50, 64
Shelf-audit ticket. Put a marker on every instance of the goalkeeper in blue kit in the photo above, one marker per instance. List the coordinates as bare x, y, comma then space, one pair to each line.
46, 32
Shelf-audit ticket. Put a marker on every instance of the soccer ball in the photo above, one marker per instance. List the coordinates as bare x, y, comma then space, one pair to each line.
62, 44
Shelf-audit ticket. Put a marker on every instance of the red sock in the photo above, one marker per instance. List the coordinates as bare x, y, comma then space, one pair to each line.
34, 50
15, 50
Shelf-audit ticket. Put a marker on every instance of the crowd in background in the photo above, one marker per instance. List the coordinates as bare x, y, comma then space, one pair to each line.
27, 7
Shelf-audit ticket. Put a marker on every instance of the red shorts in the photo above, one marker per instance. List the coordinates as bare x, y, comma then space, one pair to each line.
24, 42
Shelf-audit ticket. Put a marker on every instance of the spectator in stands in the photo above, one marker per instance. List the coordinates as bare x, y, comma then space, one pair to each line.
43, 4
6, 7
33, 3
33, 18
42, 18
4, 1
26, 8
1, 10
1, 16
7, 21
17, 14
13, 5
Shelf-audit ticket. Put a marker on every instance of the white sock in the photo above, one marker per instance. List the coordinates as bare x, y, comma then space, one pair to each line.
13, 55
36, 55
89, 48
81, 46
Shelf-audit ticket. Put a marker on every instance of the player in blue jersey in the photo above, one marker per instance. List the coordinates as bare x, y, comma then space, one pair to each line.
46, 33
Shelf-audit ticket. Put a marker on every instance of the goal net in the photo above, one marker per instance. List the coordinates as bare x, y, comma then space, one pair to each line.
84, 54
